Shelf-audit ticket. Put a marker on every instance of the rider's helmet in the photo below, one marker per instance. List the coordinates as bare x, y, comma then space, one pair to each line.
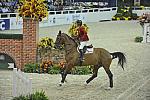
79, 22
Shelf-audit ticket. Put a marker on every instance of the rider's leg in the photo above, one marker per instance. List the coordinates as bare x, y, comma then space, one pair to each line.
81, 54
82, 44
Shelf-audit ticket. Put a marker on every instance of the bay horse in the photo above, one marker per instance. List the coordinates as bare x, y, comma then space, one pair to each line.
99, 58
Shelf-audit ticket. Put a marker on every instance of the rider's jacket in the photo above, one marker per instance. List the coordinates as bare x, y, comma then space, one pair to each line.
82, 34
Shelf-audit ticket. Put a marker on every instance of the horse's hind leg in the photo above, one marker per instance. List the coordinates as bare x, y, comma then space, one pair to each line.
110, 75
95, 71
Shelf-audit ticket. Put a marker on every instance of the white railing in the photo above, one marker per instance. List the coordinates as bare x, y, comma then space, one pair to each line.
21, 84
78, 11
11, 21
139, 11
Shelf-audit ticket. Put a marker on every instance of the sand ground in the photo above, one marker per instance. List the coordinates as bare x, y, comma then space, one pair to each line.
131, 84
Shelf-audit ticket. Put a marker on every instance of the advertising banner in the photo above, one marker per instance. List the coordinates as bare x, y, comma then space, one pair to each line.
16, 23
4, 24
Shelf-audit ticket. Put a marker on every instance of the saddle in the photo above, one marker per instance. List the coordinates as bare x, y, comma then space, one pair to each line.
87, 49
89, 46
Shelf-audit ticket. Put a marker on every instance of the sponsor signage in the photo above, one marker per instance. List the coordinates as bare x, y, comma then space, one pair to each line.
4, 24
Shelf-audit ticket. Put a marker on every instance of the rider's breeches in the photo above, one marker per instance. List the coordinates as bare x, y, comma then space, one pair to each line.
82, 44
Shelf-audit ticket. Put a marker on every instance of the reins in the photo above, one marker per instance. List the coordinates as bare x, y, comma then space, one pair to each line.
69, 50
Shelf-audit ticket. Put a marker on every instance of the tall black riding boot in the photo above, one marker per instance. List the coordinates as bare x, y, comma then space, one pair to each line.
81, 55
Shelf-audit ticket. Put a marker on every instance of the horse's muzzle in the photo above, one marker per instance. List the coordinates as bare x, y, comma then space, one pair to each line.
57, 46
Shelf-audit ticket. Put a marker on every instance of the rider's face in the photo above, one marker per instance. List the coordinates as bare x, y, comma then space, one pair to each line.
78, 24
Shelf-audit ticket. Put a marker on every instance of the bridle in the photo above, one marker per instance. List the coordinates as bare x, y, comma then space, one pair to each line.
68, 51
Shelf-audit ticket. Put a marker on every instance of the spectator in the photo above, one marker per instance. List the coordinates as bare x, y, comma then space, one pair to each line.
5, 10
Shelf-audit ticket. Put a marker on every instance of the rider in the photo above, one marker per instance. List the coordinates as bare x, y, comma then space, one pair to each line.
83, 38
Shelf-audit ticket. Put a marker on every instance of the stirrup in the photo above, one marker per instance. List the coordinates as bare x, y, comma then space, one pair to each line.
82, 59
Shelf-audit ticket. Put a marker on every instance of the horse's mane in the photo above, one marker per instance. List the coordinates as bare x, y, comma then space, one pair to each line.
70, 38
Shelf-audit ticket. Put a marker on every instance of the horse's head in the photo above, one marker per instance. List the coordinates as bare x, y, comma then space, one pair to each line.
63, 39
60, 40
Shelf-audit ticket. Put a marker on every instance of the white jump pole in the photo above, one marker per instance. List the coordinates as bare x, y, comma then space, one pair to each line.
146, 33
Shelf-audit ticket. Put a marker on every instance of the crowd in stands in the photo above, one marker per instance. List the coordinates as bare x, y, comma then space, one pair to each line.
53, 5
8, 7
67, 5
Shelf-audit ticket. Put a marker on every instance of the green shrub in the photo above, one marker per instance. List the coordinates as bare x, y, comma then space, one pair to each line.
81, 70
38, 96
20, 98
35, 96
138, 39
54, 70
31, 68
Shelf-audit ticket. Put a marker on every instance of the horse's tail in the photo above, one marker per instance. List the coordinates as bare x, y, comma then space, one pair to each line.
121, 58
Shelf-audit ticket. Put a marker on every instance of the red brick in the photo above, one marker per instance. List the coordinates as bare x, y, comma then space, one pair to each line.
23, 51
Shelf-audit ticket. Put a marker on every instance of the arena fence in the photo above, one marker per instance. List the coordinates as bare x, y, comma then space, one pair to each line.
21, 83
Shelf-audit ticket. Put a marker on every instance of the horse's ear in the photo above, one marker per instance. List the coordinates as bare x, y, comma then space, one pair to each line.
59, 32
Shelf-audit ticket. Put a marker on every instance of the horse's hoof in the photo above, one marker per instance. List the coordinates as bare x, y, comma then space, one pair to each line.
109, 88
85, 84
66, 81
60, 84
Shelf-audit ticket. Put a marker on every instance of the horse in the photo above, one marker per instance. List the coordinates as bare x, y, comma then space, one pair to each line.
99, 58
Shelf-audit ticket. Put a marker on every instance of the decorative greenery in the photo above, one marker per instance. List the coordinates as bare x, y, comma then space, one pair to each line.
73, 29
124, 14
125, 10
138, 39
45, 66
35, 96
54, 70
11, 36
61, 64
45, 45
46, 42
50, 68
31, 68
81, 70
35, 9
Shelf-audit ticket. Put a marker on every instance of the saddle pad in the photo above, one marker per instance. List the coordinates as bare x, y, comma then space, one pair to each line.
89, 50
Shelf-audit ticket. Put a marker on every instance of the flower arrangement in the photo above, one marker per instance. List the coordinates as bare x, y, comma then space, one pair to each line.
35, 9
73, 29
46, 65
51, 68
46, 43
61, 64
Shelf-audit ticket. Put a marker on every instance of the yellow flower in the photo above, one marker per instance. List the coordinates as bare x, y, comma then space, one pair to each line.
33, 9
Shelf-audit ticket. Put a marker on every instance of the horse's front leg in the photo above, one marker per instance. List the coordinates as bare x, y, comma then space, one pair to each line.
64, 73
